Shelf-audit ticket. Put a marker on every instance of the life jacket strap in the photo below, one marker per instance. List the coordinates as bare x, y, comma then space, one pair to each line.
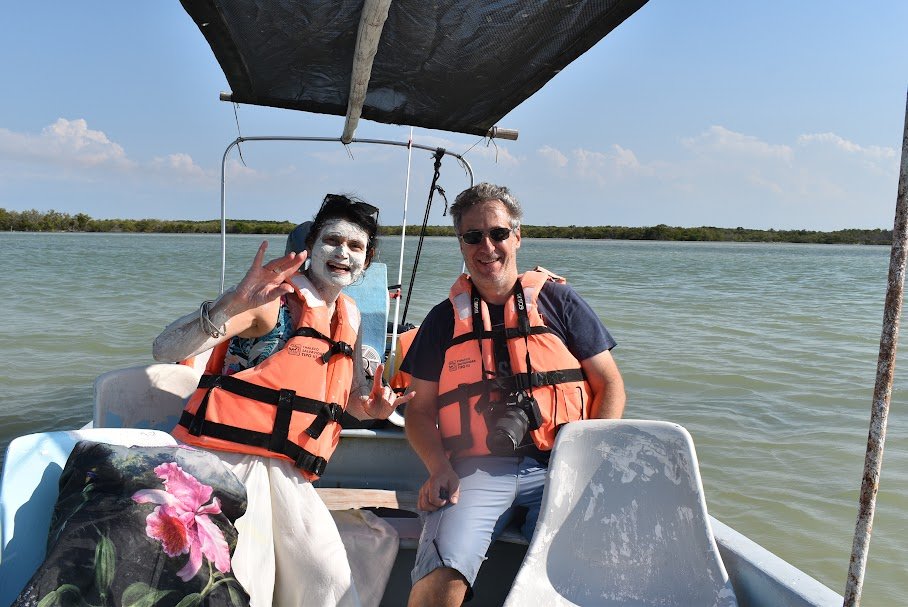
547, 378
302, 459
509, 333
285, 401
334, 347
510, 384
462, 394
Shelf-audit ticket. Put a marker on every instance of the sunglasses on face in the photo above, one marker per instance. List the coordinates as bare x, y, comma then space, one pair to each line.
337, 200
495, 234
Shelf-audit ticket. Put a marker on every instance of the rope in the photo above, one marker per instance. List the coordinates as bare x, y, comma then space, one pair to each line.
439, 154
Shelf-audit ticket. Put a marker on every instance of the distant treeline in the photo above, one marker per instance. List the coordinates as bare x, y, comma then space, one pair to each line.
53, 221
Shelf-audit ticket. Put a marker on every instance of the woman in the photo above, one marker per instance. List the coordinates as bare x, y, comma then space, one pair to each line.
286, 362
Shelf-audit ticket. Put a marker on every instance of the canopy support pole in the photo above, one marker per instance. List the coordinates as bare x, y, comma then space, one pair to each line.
371, 23
882, 392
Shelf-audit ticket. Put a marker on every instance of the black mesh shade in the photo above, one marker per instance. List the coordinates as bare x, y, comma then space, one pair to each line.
453, 65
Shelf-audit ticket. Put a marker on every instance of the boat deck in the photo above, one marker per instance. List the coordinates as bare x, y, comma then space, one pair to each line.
397, 508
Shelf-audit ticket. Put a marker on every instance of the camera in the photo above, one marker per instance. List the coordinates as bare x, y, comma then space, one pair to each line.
511, 422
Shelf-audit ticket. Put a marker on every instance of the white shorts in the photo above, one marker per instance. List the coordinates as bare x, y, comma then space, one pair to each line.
491, 488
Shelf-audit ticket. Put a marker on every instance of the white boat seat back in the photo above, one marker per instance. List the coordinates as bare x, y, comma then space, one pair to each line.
149, 396
623, 522
31, 472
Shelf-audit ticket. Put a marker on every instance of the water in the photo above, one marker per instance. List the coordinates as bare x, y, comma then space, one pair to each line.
765, 353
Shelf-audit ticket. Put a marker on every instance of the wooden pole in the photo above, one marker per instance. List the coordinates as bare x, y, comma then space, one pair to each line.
882, 392
371, 22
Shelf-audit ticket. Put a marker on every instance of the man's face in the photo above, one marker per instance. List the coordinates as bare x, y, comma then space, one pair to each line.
492, 265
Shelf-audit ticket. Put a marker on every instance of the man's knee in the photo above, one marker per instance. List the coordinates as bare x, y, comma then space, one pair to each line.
443, 586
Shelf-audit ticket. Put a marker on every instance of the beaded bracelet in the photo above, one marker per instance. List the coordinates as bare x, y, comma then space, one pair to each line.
205, 323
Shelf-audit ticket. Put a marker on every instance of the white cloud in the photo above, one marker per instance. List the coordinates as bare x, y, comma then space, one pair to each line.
723, 177
718, 140
552, 155
89, 154
180, 164
874, 158
65, 142
601, 167
237, 169
818, 179
840, 143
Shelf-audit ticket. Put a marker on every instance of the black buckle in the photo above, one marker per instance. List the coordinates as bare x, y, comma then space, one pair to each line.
337, 347
329, 412
311, 463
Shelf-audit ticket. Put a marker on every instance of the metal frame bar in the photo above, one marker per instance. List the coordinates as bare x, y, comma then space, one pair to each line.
406, 144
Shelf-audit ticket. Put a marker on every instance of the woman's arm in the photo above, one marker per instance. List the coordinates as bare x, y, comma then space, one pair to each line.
248, 310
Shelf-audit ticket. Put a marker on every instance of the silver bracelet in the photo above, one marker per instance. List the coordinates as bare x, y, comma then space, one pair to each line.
205, 323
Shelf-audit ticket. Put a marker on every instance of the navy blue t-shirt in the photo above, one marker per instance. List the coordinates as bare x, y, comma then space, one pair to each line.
562, 310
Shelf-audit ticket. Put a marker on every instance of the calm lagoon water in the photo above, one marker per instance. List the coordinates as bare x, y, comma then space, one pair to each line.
765, 353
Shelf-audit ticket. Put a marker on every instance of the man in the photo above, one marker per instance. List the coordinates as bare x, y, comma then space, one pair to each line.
496, 369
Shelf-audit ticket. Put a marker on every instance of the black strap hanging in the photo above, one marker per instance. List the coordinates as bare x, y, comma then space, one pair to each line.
439, 154
523, 327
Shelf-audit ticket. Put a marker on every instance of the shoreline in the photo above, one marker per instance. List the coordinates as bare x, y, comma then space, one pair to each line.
55, 222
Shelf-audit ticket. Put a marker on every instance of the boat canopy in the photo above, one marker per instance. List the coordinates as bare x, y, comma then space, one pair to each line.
454, 65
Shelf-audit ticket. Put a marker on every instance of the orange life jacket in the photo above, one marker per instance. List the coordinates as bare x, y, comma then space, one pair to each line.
468, 382
400, 380
288, 406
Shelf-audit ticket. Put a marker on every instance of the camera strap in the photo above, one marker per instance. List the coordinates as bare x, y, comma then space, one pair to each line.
523, 328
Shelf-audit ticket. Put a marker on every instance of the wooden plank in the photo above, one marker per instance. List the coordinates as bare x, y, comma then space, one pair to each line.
339, 498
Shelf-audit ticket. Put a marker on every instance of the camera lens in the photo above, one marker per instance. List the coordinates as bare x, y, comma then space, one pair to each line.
509, 429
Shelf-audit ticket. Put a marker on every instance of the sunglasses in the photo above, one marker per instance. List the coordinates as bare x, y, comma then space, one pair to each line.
495, 234
338, 200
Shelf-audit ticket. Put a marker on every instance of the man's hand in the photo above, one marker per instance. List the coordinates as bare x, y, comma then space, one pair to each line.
441, 488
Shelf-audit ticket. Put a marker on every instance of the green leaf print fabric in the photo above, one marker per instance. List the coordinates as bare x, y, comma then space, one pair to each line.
141, 526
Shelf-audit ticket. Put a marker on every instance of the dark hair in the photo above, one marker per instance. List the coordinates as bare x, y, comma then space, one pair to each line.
485, 192
349, 208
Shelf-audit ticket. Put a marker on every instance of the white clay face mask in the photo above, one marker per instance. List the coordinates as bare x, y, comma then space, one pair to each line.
339, 253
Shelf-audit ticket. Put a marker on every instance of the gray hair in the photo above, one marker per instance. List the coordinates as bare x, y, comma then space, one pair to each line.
485, 192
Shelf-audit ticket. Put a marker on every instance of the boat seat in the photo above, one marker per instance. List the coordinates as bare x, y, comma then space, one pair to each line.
31, 472
148, 396
371, 295
623, 522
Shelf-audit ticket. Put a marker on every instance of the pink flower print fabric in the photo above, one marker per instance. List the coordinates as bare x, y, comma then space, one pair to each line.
149, 526
181, 522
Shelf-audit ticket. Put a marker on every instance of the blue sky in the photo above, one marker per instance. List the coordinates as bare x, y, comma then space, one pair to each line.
774, 114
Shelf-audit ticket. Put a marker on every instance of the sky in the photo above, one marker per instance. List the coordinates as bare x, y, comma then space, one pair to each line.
772, 114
